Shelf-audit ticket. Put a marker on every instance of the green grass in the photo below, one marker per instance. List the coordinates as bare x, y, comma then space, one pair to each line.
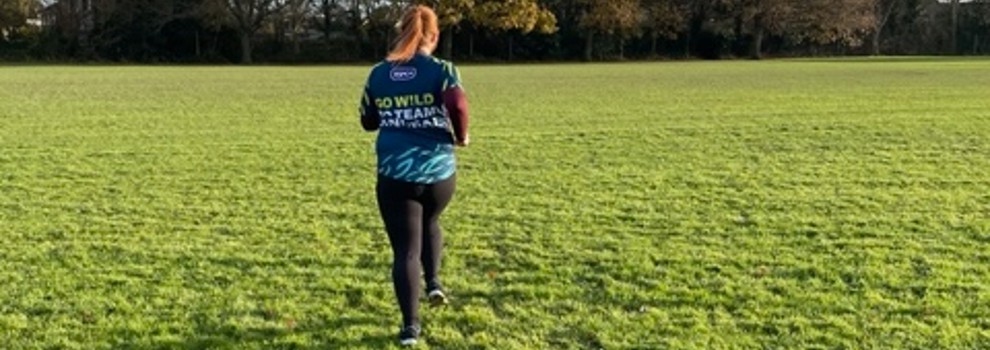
683, 205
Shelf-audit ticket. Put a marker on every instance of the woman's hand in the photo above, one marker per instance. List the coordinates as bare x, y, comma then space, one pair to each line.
464, 142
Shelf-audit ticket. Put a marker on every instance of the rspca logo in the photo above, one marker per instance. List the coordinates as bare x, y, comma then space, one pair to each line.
403, 73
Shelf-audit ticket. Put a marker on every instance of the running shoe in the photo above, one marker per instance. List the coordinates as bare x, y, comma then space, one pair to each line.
409, 335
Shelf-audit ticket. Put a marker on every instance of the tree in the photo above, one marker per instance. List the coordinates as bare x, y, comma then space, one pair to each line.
664, 19
379, 22
882, 11
508, 15
983, 30
761, 18
954, 27
75, 21
294, 21
450, 14
835, 21
930, 29
709, 22
247, 17
174, 30
331, 18
621, 17
132, 30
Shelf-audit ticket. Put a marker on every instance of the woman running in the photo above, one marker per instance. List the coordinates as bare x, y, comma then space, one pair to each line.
416, 103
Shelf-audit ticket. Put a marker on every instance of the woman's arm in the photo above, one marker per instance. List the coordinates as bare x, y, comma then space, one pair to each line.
456, 103
370, 119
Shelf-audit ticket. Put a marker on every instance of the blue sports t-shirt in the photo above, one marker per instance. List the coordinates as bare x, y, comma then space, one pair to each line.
414, 138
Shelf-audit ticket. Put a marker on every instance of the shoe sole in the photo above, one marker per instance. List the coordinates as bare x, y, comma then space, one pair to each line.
437, 298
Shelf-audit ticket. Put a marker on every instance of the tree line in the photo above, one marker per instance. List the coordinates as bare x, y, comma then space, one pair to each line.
247, 31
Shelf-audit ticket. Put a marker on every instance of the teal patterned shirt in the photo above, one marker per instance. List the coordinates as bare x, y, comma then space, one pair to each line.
414, 139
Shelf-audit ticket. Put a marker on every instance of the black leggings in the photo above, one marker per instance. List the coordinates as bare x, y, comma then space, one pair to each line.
411, 213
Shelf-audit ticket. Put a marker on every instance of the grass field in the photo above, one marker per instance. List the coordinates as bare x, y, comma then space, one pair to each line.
684, 205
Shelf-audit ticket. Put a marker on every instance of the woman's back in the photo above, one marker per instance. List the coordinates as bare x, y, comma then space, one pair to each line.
414, 141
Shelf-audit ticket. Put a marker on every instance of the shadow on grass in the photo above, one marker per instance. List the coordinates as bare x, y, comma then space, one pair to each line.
892, 59
329, 334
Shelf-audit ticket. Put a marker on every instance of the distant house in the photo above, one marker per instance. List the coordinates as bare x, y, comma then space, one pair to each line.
70, 15
49, 15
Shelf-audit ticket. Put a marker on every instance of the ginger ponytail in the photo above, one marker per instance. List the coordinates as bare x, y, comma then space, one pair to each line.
418, 23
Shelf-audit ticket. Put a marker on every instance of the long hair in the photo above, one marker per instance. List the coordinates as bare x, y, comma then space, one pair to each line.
418, 23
